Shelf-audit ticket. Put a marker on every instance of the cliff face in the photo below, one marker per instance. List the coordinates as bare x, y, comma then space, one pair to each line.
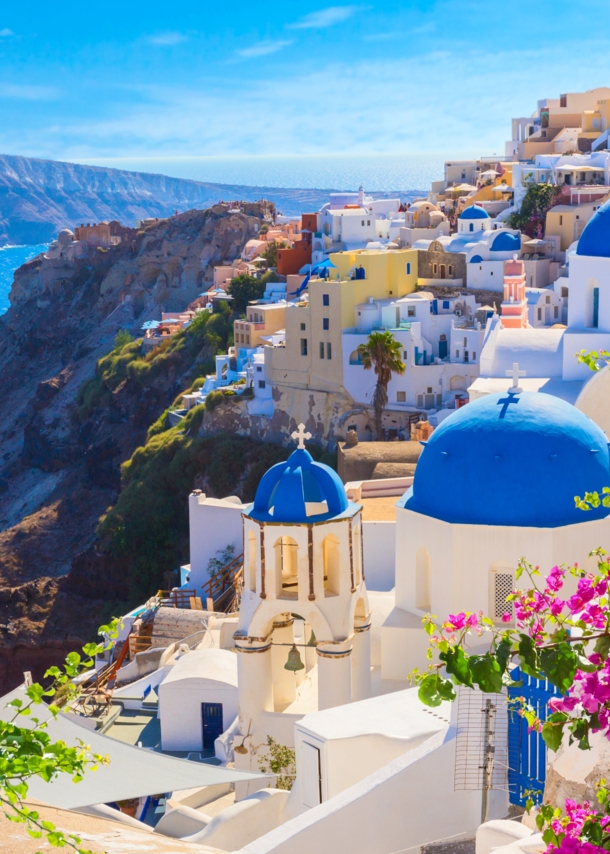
60, 470
40, 197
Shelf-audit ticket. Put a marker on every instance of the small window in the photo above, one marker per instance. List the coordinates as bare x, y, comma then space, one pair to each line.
259, 369
577, 216
411, 311
329, 350
325, 323
471, 227
261, 383
362, 222
564, 293
325, 299
457, 354
450, 270
321, 349
560, 219
302, 327
548, 299
401, 397
539, 314
408, 268
435, 268
474, 356
303, 346
563, 100
465, 342
368, 222
404, 355
556, 311
429, 389
420, 401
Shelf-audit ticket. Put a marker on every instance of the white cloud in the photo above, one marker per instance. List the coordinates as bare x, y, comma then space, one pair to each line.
28, 93
5, 33
263, 48
167, 39
325, 17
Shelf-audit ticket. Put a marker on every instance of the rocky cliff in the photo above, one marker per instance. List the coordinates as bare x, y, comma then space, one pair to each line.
40, 197
61, 454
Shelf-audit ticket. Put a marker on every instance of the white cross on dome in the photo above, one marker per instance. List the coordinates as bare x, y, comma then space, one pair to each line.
300, 435
515, 373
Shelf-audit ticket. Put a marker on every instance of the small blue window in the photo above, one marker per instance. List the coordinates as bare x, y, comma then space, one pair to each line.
595, 308
471, 227
325, 323
325, 299
445, 303
408, 268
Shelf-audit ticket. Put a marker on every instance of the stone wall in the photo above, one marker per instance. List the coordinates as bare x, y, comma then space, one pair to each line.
426, 258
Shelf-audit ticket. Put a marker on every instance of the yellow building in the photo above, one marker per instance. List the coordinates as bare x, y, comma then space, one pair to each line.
568, 221
261, 321
312, 355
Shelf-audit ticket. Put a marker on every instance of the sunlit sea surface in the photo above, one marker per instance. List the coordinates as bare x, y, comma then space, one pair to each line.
382, 172
12, 257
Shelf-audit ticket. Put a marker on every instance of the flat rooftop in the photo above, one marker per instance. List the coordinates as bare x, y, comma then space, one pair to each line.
379, 509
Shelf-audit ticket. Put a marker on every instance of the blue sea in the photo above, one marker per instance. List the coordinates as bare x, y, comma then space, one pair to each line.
12, 257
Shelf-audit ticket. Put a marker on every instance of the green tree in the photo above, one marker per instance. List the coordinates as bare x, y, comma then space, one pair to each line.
270, 254
243, 289
382, 354
27, 750
281, 761
531, 217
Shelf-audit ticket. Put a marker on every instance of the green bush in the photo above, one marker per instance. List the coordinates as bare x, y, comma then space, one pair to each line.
212, 399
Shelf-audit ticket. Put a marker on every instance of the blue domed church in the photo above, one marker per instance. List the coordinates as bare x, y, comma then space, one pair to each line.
495, 483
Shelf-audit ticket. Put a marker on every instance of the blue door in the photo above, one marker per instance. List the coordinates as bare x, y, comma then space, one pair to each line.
211, 718
527, 751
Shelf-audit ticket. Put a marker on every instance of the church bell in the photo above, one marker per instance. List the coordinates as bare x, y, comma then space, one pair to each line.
294, 662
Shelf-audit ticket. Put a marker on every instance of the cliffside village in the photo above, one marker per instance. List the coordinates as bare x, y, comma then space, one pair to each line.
298, 620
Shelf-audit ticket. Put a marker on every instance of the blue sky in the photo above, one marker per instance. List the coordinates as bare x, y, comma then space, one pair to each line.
137, 80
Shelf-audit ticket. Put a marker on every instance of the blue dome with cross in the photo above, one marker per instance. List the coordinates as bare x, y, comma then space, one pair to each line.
299, 490
595, 239
474, 212
515, 459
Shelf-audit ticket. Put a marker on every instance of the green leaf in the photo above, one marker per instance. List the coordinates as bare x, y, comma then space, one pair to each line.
486, 673
529, 656
602, 646
552, 734
457, 665
559, 665
434, 689
503, 654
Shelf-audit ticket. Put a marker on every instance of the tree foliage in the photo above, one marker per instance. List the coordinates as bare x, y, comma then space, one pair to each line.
531, 217
28, 751
245, 288
281, 761
381, 353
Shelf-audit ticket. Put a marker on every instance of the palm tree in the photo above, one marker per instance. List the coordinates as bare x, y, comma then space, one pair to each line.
382, 353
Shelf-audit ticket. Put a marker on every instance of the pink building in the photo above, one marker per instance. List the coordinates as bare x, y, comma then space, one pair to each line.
514, 306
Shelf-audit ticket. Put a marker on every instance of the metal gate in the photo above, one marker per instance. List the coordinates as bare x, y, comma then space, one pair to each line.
527, 750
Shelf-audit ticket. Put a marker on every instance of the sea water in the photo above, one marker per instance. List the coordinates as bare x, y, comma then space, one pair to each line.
12, 257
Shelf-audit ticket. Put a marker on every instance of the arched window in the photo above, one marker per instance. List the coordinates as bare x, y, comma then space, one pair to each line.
332, 565
355, 358
251, 565
357, 556
287, 568
423, 597
502, 584
592, 304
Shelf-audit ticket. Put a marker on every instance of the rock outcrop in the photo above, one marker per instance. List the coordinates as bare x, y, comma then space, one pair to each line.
59, 472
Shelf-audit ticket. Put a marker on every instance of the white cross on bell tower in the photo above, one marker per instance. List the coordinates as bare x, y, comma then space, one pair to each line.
300, 435
515, 373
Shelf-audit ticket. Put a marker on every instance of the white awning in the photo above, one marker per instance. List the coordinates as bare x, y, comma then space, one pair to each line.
132, 772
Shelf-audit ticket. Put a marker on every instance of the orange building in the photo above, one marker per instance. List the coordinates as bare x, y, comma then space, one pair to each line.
514, 306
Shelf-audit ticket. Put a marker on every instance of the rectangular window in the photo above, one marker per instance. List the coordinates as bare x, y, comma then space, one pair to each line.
404, 355
595, 308
560, 220
368, 222
325, 323
450, 269
564, 293
321, 349
329, 350
435, 269
302, 327
259, 369
410, 311
556, 311
457, 354
539, 314
303, 346
362, 222
474, 356
401, 397
408, 268
261, 383
325, 299
563, 100
420, 401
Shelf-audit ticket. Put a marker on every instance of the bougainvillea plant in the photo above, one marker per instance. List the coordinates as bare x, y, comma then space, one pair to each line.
27, 750
565, 639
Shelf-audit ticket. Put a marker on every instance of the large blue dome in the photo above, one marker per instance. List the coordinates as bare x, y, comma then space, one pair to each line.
595, 239
474, 212
511, 459
299, 490
506, 242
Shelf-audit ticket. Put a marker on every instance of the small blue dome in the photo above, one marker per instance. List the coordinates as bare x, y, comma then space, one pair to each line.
511, 459
476, 259
474, 212
506, 242
299, 490
595, 239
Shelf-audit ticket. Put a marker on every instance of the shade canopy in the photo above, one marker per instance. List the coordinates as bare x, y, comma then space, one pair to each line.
132, 772
502, 188
324, 265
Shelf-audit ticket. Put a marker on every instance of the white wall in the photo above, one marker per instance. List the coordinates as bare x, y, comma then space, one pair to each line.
394, 809
180, 710
379, 554
486, 275
214, 524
